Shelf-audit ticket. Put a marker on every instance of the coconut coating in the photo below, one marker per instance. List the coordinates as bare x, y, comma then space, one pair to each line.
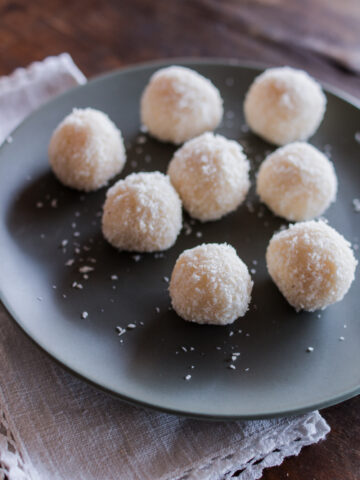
312, 265
142, 213
297, 182
179, 103
211, 175
210, 284
284, 105
86, 150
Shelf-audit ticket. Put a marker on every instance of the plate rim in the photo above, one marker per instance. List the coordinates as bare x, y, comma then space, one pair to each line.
218, 61
256, 66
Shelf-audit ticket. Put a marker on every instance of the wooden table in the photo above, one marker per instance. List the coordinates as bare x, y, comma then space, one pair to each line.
321, 36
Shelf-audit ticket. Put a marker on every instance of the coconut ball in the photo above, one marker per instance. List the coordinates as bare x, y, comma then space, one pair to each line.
297, 182
179, 104
211, 175
312, 265
284, 105
142, 213
86, 150
210, 284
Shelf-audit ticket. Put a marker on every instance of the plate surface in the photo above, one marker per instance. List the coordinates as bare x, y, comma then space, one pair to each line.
274, 374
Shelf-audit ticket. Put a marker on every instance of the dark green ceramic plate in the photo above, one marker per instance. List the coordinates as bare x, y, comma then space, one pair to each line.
274, 374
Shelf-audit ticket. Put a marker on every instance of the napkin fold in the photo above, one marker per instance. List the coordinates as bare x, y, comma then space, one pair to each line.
53, 425
27, 88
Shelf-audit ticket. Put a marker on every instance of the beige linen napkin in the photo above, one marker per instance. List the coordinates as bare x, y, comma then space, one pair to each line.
54, 426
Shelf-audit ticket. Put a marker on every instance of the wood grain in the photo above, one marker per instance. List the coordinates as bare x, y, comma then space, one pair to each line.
335, 458
321, 36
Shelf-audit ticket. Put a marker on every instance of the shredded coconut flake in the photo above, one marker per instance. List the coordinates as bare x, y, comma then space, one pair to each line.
141, 139
86, 269
356, 204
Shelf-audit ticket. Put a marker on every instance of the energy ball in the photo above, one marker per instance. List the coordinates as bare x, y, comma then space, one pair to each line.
210, 284
297, 182
211, 175
179, 104
86, 150
284, 105
142, 213
312, 265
